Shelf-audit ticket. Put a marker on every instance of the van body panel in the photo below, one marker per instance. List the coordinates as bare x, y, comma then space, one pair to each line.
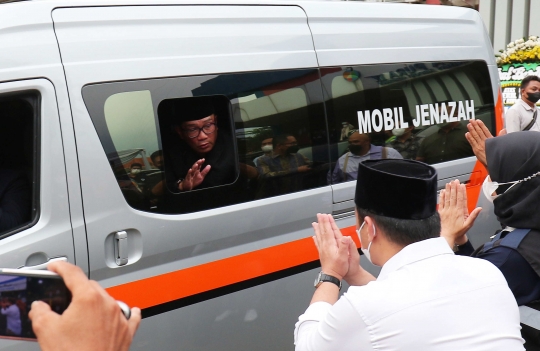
382, 33
151, 41
50, 235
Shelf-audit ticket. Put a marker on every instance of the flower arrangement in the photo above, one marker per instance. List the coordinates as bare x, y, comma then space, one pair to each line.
522, 51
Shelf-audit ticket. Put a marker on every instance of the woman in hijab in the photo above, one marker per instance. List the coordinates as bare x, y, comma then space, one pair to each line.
513, 184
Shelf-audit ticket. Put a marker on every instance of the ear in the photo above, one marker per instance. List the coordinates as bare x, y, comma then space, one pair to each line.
370, 224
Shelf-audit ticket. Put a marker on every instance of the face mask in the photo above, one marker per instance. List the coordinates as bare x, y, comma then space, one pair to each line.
533, 97
355, 149
398, 131
489, 187
366, 251
135, 171
293, 149
266, 148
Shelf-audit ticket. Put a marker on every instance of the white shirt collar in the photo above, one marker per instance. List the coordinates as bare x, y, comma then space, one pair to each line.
524, 104
415, 252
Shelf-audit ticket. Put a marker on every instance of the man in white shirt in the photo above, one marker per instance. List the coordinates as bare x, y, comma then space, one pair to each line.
13, 316
521, 115
425, 298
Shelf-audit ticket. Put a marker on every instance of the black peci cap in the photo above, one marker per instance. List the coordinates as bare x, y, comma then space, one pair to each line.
187, 109
402, 189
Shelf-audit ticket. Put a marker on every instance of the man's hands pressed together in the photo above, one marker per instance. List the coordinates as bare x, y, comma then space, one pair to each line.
339, 258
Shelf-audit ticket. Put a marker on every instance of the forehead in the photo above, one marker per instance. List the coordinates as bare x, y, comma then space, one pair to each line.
357, 137
198, 122
291, 139
533, 84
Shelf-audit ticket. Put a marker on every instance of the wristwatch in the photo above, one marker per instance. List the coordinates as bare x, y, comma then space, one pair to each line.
322, 277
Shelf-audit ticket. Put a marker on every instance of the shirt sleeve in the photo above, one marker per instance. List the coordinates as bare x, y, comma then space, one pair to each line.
465, 250
513, 123
324, 327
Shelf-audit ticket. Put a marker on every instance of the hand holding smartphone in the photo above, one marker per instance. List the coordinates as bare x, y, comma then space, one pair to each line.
18, 290
92, 321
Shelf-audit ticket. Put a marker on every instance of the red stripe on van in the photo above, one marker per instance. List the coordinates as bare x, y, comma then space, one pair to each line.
175, 285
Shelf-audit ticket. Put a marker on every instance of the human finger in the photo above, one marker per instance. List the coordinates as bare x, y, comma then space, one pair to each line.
41, 316
447, 194
473, 130
335, 228
74, 278
460, 195
483, 129
205, 171
463, 200
317, 236
453, 193
502, 132
441, 199
135, 320
469, 222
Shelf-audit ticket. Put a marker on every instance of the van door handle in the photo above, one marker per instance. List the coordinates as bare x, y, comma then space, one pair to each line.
121, 248
44, 265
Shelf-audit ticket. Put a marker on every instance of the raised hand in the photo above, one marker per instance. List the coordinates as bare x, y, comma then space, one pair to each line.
195, 176
476, 136
455, 217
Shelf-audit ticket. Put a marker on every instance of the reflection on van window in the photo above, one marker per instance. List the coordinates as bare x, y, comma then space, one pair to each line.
182, 145
129, 118
16, 161
419, 110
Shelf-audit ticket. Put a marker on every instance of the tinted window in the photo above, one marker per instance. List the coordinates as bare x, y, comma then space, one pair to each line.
18, 161
193, 143
409, 110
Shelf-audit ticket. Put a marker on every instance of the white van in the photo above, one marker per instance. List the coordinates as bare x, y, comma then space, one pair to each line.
90, 88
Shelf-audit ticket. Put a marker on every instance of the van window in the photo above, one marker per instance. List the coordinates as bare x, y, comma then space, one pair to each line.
408, 110
187, 144
18, 161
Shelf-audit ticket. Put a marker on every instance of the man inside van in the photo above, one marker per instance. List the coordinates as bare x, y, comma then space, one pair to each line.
360, 149
447, 143
283, 166
205, 156
425, 297
523, 115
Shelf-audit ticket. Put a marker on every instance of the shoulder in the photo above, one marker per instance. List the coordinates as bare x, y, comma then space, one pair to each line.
392, 153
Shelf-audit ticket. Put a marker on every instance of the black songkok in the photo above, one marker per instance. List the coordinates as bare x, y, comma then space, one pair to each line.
187, 109
402, 189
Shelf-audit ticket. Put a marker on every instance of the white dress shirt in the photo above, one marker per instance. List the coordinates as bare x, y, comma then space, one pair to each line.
425, 298
520, 115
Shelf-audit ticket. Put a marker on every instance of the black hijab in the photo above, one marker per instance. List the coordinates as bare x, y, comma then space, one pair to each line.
512, 157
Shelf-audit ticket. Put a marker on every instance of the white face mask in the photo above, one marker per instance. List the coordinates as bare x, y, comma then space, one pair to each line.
398, 131
135, 171
266, 148
489, 187
366, 251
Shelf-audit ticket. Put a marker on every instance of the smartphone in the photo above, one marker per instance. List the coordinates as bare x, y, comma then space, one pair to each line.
18, 289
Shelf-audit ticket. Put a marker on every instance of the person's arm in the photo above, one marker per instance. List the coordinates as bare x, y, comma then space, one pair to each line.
265, 172
328, 328
513, 121
93, 320
455, 217
393, 153
248, 171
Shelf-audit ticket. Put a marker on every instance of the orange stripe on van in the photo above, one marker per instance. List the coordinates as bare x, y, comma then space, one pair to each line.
499, 113
179, 284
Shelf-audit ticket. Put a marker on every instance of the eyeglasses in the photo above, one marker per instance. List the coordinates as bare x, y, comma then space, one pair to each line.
194, 132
